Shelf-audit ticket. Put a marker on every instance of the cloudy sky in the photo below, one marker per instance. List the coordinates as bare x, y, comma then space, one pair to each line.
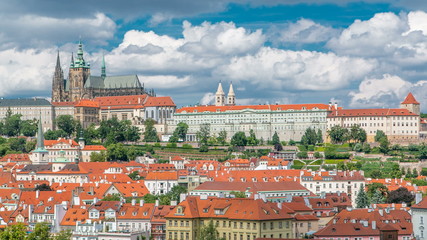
367, 53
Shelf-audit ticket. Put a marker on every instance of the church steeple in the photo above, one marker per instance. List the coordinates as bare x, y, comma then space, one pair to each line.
80, 61
40, 135
103, 70
57, 81
231, 96
219, 96
39, 155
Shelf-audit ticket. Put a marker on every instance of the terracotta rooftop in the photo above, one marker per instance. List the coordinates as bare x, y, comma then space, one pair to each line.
410, 99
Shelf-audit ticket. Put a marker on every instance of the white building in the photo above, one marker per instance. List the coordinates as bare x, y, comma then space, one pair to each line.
419, 217
397, 123
334, 181
161, 182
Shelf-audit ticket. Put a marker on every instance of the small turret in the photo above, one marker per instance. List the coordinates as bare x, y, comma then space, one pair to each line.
72, 60
231, 96
39, 155
220, 96
411, 104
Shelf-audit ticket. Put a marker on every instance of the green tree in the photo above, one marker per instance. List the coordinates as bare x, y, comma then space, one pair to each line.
98, 157
66, 123
422, 152
150, 133
54, 134
358, 134
117, 152
414, 173
64, 235
384, 145
338, 134
203, 134
209, 232
362, 200
17, 144
28, 128
135, 175
252, 140
149, 198
238, 194
310, 137
181, 130
275, 139
112, 197
176, 191
376, 186
377, 197
319, 136
366, 148
380, 134
222, 137
376, 174
41, 232
134, 152
131, 132
12, 125
302, 154
30, 145
14, 232
239, 139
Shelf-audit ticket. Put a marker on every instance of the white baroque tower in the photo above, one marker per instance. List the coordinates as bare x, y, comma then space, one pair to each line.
220, 96
231, 96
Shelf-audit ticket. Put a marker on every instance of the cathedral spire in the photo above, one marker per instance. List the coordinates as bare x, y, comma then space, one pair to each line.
103, 72
58, 62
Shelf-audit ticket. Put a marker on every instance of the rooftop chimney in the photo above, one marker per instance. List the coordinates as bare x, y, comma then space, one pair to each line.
374, 225
141, 202
37, 194
133, 202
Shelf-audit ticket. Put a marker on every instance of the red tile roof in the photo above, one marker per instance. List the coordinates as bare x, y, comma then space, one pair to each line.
94, 148
61, 140
60, 104
21, 157
422, 204
410, 99
268, 107
162, 176
374, 112
253, 187
122, 101
87, 103
233, 208
159, 101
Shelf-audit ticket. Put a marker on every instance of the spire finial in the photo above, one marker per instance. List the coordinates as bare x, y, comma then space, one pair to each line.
40, 136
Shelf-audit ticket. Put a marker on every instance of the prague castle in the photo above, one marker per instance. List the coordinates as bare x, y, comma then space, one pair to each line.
82, 85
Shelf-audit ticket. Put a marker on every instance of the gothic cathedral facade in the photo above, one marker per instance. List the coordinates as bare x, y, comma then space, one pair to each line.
82, 85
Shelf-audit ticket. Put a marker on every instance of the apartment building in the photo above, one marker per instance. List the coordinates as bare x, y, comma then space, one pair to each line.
234, 218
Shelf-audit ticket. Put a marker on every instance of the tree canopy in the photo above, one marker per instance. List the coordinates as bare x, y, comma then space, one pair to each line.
239, 139
150, 133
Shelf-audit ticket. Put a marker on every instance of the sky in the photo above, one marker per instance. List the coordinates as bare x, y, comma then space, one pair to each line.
360, 54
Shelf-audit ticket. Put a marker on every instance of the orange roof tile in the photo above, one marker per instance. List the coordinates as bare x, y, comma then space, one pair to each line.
410, 99
87, 103
162, 176
159, 101
377, 112
94, 148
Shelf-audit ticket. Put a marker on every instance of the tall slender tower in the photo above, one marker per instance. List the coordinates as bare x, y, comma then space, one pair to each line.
39, 155
79, 73
231, 96
58, 82
220, 96
103, 69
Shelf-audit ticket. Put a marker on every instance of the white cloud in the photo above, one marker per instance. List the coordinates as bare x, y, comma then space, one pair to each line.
207, 99
387, 91
165, 81
40, 32
26, 70
305, 31
297, 70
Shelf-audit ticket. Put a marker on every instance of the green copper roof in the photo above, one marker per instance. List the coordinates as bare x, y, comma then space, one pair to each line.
126, 81
79, 62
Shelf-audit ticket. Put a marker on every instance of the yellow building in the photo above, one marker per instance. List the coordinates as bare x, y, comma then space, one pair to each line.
235, 219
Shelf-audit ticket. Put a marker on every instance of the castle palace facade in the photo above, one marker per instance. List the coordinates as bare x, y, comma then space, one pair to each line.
81, 85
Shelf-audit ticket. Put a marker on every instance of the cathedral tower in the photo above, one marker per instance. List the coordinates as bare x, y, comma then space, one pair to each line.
220, 96
40, 154
231, 96
58, 82
79, 73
